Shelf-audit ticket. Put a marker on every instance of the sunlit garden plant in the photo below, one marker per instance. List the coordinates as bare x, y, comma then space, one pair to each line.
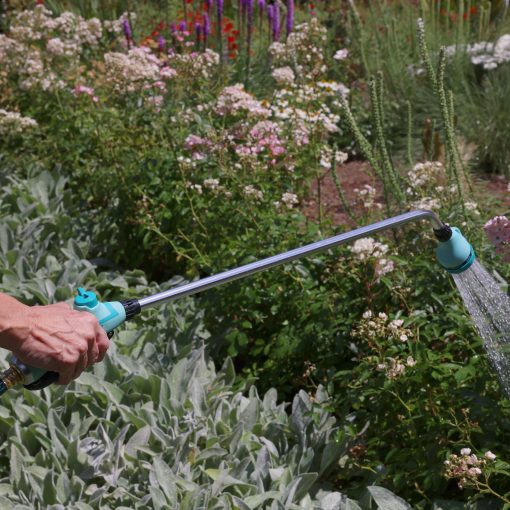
182, 138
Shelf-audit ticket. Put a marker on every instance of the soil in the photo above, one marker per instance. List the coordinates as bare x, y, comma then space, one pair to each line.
355, 174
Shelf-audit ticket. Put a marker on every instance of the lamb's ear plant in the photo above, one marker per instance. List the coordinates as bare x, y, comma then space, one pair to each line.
154, 426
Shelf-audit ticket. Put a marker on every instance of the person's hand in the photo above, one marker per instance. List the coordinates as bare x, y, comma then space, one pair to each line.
58, 339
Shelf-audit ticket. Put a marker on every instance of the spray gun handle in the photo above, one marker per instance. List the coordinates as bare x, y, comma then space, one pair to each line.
110, 315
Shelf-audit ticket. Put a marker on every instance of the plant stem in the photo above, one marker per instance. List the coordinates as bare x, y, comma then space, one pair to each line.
365, 148
341, 193
409, 134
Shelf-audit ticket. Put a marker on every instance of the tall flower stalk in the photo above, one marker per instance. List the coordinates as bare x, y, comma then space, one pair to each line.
198, 33
290, 17
206, 28
249, 30
161, 44
276, 22
219, 14
128, 34
262, 8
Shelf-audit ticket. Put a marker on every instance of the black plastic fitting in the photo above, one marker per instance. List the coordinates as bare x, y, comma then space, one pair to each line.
132, 307
444, 233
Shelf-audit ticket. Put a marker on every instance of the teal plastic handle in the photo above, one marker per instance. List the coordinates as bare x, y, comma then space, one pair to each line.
110, 315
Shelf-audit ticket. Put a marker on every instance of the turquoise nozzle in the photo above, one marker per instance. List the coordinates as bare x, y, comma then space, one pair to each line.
109, 314
455, 254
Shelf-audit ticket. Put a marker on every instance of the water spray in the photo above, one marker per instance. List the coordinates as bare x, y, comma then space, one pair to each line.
454, 254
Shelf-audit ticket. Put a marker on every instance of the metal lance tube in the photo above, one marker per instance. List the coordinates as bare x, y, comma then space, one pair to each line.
282, 258
454, 253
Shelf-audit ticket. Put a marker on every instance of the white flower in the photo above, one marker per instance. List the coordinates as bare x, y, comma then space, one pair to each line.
252, 192
381, 367
367, 314
489, 455
384, 266
395, 324
342, 157
426, 203
367, 247
196, 187
472, 206
403, 338
325, 160
382, 316
411, 362
290, 199
465, 451
235, 99
341, 54
284, 75
211, 184
13, 122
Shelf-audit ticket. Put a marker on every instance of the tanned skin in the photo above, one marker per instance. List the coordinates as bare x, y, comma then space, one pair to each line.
54, 337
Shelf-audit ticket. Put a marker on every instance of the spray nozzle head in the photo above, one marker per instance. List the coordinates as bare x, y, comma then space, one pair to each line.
454, 252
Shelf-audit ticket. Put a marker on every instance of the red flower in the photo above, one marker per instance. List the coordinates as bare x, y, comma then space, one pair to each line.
473, 10
231, 39
228, 27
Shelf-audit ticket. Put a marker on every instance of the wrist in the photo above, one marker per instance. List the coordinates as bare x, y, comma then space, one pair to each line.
14, 323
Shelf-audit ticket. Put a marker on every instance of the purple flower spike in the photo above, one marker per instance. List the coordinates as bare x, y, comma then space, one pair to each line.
182, 26
249, 10
173, 28
270, 14
127, 30
207, 25
276, 23
198, 30
262, 5
219, 8
290, 16
161, 43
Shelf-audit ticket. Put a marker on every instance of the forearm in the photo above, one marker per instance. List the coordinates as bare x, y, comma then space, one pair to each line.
13, 324
53, 337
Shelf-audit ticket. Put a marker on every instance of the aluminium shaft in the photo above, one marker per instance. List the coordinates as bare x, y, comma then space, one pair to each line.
282, 258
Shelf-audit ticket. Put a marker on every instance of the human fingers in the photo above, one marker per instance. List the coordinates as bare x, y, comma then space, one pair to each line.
81, 365
102, 342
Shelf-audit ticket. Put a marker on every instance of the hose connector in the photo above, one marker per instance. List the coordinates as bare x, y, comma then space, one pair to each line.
454, 253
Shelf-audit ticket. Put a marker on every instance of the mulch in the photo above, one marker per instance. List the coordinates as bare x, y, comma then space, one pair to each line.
355, 174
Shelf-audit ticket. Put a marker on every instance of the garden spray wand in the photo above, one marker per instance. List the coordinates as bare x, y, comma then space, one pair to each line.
454, 254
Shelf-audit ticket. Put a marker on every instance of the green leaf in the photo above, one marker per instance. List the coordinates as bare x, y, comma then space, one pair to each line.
16, 465
165, 477
386, 500
49, 493
259, 499
139, 438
